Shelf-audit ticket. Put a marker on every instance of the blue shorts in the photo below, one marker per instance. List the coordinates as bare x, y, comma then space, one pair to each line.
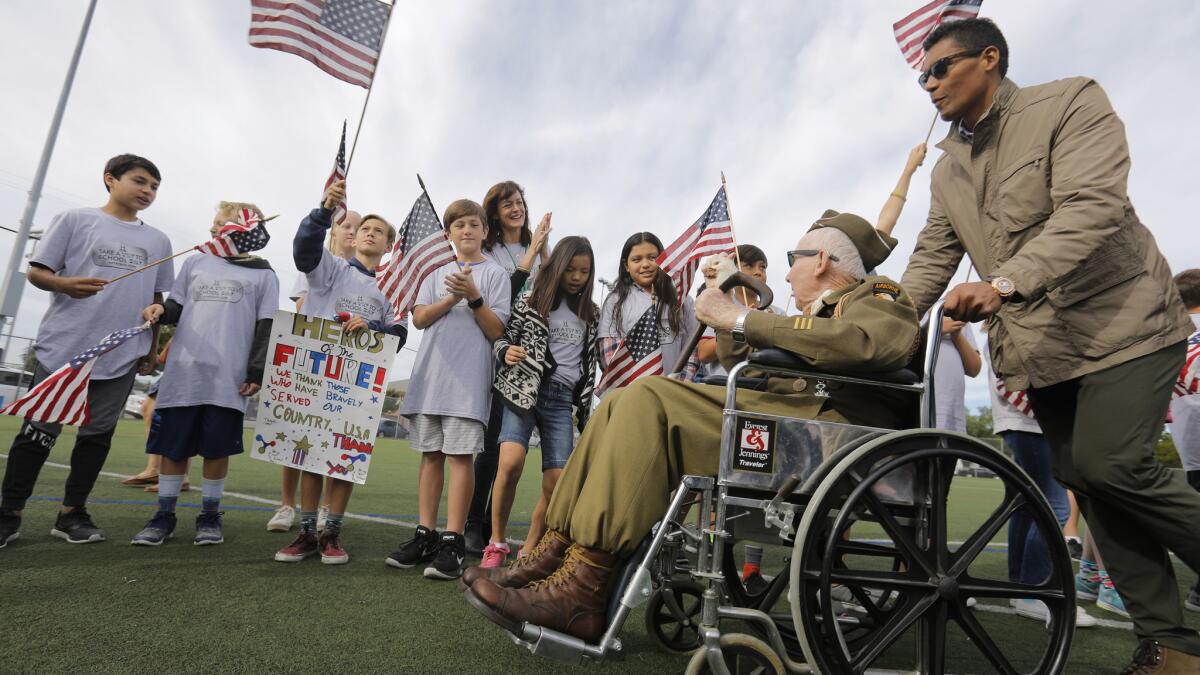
552, 415
211, 431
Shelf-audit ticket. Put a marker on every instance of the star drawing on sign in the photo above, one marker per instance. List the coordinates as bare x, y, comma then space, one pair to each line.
324, 444
303, 445
281, 436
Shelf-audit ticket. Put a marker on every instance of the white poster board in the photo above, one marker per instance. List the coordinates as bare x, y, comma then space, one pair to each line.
322, 396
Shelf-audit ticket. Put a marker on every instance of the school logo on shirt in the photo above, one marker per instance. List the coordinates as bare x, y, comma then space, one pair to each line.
118, 255
665, 336
217, 290
367, 307
756, 445
566, 332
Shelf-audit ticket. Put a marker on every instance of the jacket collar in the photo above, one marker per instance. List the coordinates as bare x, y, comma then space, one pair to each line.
955, 143
354, 262
824, 305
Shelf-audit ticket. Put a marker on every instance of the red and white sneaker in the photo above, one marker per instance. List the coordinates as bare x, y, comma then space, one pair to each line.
332, 552
302, 547
494, 556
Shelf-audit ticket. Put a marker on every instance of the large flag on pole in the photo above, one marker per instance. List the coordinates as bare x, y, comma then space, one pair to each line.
638, 355
248, 234
61, 398
912, 30
711, 233
341, 37
421, 247
338, 173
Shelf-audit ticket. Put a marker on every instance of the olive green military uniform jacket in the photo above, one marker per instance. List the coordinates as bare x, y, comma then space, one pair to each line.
867, 326
1038, 195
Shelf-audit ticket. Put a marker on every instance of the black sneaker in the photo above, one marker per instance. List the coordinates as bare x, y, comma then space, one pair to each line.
77, 527
451, 554
10, 525
421, 548
1075, 548
475, 540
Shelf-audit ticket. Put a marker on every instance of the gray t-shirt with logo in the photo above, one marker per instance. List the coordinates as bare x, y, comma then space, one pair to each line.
222, 302
335, 286
90, 243
453, 371
635, 306
566, 344
508, 255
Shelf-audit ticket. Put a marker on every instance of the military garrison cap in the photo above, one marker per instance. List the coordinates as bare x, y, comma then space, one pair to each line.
873, 246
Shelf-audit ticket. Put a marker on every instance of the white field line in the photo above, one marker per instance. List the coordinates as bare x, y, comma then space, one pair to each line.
1107, 623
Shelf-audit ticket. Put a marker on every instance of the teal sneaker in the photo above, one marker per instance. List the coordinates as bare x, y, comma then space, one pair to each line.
1087, 586
1109, 599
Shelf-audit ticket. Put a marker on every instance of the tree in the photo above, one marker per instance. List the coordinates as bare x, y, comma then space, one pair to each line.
979, 423
1165, 451
391, 403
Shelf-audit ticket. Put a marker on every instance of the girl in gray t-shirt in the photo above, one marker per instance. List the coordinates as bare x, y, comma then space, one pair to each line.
642, 287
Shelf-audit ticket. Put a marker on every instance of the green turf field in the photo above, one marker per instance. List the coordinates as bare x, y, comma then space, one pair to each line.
112, 607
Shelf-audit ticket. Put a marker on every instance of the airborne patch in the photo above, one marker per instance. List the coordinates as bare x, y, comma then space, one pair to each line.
885, 291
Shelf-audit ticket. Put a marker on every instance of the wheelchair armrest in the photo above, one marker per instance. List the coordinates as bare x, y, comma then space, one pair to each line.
782, 359
754, 383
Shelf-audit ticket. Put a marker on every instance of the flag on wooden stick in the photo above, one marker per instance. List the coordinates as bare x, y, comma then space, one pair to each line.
62, 398
341, 37
912, 30
338, 173
711, 233
639, 354
248, 234
421, 247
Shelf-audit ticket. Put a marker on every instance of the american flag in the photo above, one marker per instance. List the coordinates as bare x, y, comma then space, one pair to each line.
248, 234
62, 397
421, 247
638, 355
1189, 376
341, 37
339, 173
912, 30
1016, 399
712, 233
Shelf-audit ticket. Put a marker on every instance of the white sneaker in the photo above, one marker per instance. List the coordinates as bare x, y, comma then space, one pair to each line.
1084, 620
322, 516
1030, 609
282, 520
971, 602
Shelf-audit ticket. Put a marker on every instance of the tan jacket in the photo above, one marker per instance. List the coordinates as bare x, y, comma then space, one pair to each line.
1038, 196
867, 326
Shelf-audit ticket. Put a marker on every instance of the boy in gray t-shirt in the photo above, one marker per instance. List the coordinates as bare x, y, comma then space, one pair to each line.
82, 251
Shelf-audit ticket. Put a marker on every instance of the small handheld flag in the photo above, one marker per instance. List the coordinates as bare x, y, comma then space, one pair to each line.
912, 30
339, 173
638, 355
248, 234
62, 398
421, 247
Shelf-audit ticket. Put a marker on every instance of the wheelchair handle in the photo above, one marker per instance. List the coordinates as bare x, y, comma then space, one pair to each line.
735, 280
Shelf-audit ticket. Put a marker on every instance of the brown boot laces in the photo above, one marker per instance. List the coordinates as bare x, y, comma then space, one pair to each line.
566, 571
1147, 656
537, 550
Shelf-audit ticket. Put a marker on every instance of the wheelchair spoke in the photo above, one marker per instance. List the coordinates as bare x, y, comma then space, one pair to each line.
933, 635
874, 579
974, 545
890, 632
938, 489
897, 534
981, 588
983, 640
854, 547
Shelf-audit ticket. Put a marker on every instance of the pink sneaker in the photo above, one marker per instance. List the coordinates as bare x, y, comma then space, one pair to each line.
494, 556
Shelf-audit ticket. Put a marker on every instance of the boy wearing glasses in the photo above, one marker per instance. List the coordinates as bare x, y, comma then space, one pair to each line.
1080, 306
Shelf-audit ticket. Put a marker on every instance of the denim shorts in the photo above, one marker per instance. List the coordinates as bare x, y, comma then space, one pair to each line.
552, 415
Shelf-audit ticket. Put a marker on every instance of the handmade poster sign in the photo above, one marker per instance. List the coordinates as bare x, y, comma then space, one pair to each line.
322, 396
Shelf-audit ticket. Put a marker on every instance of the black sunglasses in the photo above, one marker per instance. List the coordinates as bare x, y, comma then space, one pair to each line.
792, 255
942, 66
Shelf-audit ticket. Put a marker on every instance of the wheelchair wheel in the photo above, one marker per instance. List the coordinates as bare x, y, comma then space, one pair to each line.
743, 655
913, 580
673, 616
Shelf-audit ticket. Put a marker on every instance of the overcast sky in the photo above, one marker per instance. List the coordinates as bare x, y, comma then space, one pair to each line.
618, 116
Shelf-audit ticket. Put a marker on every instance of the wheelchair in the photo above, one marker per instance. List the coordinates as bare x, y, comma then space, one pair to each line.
873, 579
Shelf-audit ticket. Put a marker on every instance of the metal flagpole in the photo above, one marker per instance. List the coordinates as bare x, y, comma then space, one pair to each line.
362, 114
736, 256
14, 280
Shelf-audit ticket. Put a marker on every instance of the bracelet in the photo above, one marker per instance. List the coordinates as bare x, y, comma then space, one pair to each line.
899, 196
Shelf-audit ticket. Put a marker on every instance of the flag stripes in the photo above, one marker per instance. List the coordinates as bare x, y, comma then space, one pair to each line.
421, 247
912, 30
341, 37
712, 233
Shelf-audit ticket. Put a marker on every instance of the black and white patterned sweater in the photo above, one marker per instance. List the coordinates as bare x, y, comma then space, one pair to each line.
518, 385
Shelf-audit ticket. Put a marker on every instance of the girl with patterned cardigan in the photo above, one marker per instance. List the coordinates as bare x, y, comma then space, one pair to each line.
548, 361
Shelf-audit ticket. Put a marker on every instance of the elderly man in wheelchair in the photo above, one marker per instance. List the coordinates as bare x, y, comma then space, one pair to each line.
647, 440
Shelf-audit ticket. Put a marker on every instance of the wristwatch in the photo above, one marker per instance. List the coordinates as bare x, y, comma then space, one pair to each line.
476, 303
739, 327
1004, 286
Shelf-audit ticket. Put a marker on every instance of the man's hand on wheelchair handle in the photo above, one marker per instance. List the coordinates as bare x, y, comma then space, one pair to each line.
972, 301
717, 310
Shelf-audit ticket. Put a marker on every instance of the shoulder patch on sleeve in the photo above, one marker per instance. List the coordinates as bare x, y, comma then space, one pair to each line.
885, 291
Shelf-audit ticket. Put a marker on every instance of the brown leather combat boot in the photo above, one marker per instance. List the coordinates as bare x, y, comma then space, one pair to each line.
573, 600
541, 562
1151, 658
